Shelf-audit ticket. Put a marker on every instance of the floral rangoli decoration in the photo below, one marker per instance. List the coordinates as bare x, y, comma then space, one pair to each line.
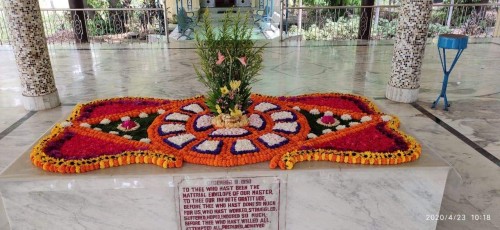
229, 126
333, 127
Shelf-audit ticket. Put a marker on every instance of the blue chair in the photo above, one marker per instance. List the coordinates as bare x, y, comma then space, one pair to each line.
449, 41
263, 17
185, 23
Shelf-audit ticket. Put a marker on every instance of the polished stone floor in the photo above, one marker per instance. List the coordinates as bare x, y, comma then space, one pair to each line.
467, 136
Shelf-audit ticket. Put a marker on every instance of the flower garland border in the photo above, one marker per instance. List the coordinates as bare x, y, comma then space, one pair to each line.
289, 159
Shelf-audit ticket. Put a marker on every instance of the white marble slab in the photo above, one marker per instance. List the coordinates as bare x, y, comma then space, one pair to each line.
320, 195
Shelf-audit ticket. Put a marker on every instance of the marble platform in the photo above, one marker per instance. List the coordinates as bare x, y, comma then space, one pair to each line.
314, 195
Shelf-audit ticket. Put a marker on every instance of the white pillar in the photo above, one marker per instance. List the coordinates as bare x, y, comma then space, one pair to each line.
409, 50
32, 55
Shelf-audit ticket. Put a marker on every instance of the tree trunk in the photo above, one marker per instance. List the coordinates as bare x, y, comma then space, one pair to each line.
78, 19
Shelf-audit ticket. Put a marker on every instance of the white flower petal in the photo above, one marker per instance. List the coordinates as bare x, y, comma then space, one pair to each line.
328, 113
113, 132
296, 108
125, 118
85, 125
161, 111
325, 131
143, 115
127, 137
340, 127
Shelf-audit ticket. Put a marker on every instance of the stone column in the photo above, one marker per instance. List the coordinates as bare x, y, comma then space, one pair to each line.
32, 56
409, 50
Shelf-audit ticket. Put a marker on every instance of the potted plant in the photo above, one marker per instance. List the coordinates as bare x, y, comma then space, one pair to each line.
229, 64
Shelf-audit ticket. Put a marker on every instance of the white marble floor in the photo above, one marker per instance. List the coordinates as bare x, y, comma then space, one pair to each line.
465, 136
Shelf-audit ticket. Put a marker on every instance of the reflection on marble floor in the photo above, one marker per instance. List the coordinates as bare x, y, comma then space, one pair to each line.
157, 71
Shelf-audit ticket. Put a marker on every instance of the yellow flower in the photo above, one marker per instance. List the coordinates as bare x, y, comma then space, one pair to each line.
224, 90
219, 110
236, 112
235, 84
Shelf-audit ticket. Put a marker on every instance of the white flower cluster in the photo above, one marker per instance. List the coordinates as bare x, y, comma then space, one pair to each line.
180, 140
177, 117
365, 119
340, 127
314, 111
203, 121
228, 132
346, 117
125, 118
85, 125
272, 139
113, 132
195, 108
311, 135
265, 106
105, 121
172, 128
143, 115
244, 145
161, 111
282, 115
145, 140
97, 129
65, 124
386, 118
325, 131
208, 146
353, 123
328, 113
255, 121
127, 137
289, 127
296, 108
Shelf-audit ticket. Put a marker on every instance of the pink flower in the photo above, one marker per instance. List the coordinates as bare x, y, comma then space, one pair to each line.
128, 124
243, 60
220, 58
328, 119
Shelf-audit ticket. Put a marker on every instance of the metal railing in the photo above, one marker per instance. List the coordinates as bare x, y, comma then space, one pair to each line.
133, 25
344, 22
120, 25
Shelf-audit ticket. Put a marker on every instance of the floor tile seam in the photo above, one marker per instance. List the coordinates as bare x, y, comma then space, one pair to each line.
16, 124
459, 135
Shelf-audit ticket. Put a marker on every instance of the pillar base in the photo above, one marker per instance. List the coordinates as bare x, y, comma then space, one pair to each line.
401, 95
47, 101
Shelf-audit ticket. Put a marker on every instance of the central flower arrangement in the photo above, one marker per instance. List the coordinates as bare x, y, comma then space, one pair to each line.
229, 65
